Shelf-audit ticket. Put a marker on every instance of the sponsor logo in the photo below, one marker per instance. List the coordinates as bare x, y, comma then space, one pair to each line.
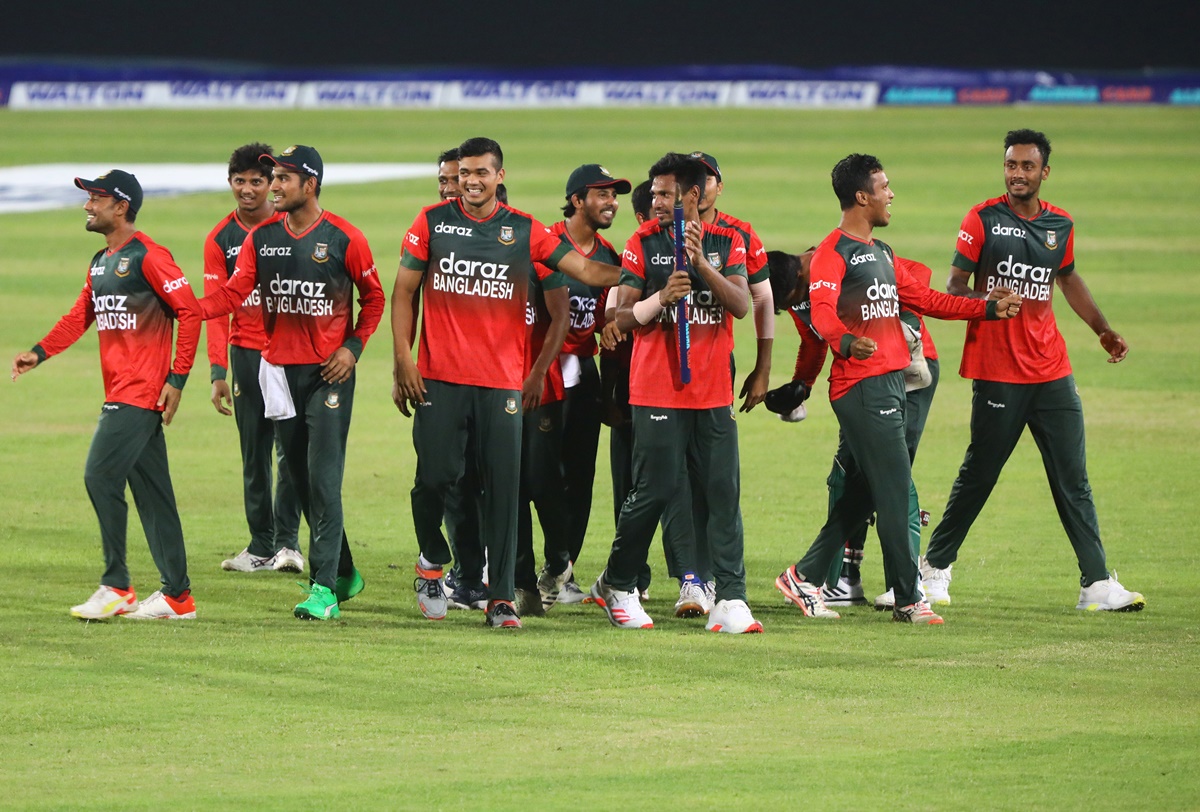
253, 300
632, 257
446, 228
510, 406
881, 290
822, 283
321, 252
331, 400
1136, 94
882, 301
1019, 270
97, 270
468, 267
995, 405
861, 258
172, 285
123, 267
309, 169
506, 235
984, 95
658, 417
297, 287
886, 412
232, 251
109, 303
275, 251
965, 237
1051, 240
117, 191
714, 259
111, 407
412, 238
662, 259
1008, 231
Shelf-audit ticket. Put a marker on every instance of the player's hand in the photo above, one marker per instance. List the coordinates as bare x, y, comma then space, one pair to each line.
610, 336
1008, 307
408, 386
337, 367
999, 292
1114, 345
862, 348
754, 389
168, 399
221, 397
23, 362
678, 287
531, 391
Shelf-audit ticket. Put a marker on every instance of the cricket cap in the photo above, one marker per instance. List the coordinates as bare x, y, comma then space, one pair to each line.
710, 163
298, 158
594, 176
115, 183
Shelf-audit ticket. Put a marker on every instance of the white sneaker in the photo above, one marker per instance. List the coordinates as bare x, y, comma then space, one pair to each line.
106, 602
244, 562
710, 594
937, 582
804, 594
572, 593
624, 609
732, 617
692, 600
844, 593
289, 560
159, 607
551, 586
886, 602
1109, 596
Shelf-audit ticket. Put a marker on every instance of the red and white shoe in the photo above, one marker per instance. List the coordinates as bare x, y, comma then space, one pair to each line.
805, 594
624, 609
732, 617
106, 602
918, 612
161, 607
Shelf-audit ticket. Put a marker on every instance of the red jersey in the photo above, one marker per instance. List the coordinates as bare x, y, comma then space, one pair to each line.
756, 254
537, 325
647, 263
133, 294
475, 290
587, 313
245, 327
1002, 248
856, 289
306, 282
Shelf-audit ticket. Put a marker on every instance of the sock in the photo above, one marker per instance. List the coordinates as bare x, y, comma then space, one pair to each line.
425, 564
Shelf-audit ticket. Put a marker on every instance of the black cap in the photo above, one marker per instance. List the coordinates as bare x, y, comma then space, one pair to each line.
710, 163
594, 176
115, 183
298, 158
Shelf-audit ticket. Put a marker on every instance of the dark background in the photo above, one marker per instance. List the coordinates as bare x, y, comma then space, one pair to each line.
1031, 35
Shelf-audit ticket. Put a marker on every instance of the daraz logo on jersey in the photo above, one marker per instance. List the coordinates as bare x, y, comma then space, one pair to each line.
172, 285
882, 301
469, 277
112, 313
632, 257
861, 258
1032, 282
300, 297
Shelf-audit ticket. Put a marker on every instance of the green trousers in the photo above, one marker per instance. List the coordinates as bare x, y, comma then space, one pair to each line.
580, 439
129, 446
543, 485
999, 414
456, 419
878, 477
314, 450
274, 523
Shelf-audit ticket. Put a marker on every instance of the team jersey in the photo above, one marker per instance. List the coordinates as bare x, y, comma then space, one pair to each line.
581, 337
537, 325
756, 255
856, 288
647, 263
1000, 247
133, 294
923, 274
306, 282
245, 328
476, 289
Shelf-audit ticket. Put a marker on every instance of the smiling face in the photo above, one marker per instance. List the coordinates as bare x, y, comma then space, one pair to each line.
1024, 172
288, 188
599, 207
478, 178
879, 201
250, 190
102, 213
448, 184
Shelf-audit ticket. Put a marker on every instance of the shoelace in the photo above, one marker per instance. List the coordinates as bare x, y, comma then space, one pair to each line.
430, 587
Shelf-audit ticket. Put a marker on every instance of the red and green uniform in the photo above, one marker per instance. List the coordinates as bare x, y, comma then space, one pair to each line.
134, 294
307, 284
236, 343
856, 289
756, 255
682, 430
1022, 377
472, 358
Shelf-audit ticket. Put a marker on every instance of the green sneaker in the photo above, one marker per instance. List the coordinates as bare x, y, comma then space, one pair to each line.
321, 604
347, 586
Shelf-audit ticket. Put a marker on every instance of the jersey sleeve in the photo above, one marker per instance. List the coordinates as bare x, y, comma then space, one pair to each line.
633, 264
70, 327
415, 253
216, 331
736, 264
810, 356
756, 260
160, 270
545, 247
918, 297
824, 288
225, 299
970, 242
361, 267
1068, 261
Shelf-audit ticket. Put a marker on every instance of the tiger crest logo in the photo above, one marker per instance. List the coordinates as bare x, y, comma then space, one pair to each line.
123, 267
321, 252
506, 235
1051, 240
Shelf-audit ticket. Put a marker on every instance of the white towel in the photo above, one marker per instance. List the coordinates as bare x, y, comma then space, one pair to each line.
570, 369
277, 397
796, 415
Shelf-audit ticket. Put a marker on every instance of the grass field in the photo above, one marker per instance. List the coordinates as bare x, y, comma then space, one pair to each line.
1019, 701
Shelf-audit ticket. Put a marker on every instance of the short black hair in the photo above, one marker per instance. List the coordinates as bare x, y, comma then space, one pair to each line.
688, 171
131, 215
474, 147
852, 175
640, 200
784, 269
245, 158
449, 155
501, 193
1038, 139
568, 208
